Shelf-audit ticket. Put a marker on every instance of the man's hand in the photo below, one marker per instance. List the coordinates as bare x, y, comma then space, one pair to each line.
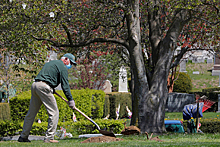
71, 104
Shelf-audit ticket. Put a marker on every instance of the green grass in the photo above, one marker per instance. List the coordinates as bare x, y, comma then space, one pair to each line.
204, 79
169, 139
179, 115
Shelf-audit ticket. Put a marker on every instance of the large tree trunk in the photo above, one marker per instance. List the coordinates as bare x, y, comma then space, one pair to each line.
152, 104
137, 63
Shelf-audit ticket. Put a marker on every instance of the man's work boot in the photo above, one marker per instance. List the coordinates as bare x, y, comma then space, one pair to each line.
20, 139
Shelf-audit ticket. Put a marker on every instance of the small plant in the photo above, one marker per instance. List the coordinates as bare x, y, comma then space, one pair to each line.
183, 83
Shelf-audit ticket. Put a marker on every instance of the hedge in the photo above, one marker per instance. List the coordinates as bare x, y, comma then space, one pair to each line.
9, 128
207, 125
90, 102
183, 83
113, 99
5, 111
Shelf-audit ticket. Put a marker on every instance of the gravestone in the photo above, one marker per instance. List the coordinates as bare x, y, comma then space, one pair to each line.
196, 72
52, 55
209, 60
107, 86
177, 101
198, 57
218, 103
219, 80
183, 66
123, 85
216, 68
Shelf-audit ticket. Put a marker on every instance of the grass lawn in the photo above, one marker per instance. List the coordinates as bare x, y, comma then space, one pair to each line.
205, 78
179, 115
170, 139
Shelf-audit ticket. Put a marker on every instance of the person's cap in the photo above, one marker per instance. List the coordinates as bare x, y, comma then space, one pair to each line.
71, 57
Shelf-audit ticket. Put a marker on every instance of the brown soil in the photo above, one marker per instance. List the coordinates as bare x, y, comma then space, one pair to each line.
154, 138
101, 139
130, 130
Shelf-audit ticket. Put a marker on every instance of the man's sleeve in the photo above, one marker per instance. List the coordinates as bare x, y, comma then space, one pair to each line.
65, 85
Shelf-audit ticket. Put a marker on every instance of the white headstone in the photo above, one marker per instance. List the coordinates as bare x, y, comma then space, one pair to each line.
123, 85
209, 60
219, 81
183, 66
52, 55
196, 72
107, 86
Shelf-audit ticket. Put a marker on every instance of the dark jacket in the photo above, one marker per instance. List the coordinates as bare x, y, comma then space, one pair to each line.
54, 73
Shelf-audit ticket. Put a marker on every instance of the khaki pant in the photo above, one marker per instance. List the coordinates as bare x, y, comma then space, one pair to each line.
41, 93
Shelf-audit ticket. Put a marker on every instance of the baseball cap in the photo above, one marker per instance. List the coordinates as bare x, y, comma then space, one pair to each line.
71, 57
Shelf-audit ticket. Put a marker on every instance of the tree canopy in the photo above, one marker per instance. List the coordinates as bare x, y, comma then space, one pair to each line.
145, 33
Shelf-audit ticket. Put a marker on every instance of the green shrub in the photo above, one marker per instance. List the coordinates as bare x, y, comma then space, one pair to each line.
89, 101
86, 127
183, 83
98, 100
106, 108
208, 90
82, 100
116, 98
9, 128
207, 125
5, 111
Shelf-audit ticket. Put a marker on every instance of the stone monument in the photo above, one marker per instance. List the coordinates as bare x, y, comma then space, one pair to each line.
183, 65
107, 86
123, 84
218, 103
52, 55
216, 68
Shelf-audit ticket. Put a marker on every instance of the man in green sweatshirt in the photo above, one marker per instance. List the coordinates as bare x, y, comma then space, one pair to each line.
51, 75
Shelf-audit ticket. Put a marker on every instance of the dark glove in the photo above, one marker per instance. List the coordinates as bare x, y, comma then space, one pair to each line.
71, 104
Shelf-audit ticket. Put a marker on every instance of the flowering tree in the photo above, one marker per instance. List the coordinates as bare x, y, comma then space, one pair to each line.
145, 32
90, 73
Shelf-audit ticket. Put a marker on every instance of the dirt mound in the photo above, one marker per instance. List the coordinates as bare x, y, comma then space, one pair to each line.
101, 139
130, 130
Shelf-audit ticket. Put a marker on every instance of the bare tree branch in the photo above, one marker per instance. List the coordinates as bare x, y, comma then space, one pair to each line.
68, 34
85, 43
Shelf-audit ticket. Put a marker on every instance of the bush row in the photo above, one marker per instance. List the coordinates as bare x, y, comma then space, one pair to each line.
112, 101
9, 128
91, 102
207, 125
5, 111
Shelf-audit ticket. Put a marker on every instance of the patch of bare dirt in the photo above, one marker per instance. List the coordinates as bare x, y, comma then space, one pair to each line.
130, 130
101, 139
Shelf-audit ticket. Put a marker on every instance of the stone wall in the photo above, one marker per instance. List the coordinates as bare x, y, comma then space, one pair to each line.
177, 101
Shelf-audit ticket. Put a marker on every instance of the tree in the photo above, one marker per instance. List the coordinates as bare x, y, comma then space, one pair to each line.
146, 32
90, 73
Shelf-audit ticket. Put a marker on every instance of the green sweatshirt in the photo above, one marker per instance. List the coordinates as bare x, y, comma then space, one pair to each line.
54, 73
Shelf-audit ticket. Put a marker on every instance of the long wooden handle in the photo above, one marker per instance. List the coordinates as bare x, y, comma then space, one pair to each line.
78, 111
61, 97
